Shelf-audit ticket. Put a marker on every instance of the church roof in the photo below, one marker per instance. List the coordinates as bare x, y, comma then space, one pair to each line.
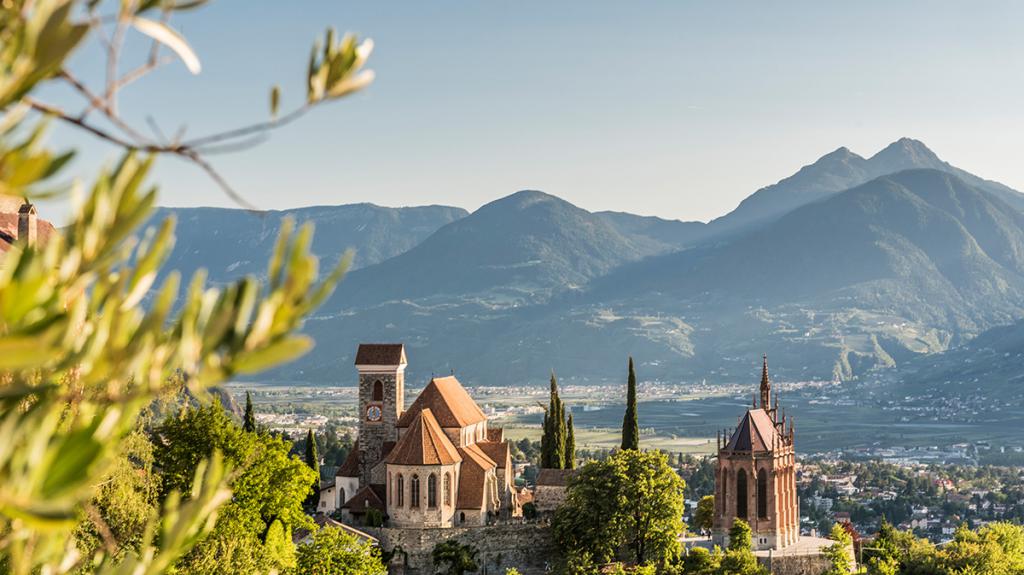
9, 230
381, 354
498, 451
423, 443
554, 477
449, 402
755, 432
473, 477
350, 468
369, 497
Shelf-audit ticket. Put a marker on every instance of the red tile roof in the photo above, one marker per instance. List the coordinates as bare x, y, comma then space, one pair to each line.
449, 402
756, 432
380, 354
498, 452
423, 443
350, 468
364, 499
9, 231
495, 434
472, 476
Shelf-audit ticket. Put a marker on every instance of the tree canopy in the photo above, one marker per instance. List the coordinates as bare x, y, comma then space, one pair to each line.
630, 424
628, 505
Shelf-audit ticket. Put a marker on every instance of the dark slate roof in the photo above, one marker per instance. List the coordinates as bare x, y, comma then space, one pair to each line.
381, 354
756, 432
554, 477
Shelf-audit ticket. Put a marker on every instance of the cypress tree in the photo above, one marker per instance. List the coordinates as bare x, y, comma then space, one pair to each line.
552, 454
313, 461
570, 445
630, 427
249, 421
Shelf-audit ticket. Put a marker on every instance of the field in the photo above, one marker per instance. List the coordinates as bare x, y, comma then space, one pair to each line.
829, 418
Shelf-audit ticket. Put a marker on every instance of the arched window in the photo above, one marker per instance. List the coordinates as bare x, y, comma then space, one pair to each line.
741, 494
378, 390
462, 517
432, 491
400, 490
447, 489
414, 488
341, 496
762, 494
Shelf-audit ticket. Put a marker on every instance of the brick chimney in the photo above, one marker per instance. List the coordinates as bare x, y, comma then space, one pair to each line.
27, 226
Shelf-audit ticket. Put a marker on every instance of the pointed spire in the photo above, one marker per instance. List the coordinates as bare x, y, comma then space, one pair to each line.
766, 386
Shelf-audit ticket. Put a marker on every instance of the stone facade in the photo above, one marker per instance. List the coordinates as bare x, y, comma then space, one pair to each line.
528, 547
406, 510
381, 387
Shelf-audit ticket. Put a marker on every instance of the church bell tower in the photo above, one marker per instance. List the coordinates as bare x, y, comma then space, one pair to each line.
381, 370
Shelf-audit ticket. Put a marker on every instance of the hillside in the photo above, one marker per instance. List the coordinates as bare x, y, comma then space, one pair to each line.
521, 249
231, 243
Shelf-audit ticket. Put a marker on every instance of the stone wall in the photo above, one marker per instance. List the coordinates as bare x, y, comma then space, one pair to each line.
528, 547
796, 564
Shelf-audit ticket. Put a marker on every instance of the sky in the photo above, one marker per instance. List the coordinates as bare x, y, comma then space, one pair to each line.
675, 109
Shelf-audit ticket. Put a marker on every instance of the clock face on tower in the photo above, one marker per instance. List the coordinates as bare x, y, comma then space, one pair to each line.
373, 413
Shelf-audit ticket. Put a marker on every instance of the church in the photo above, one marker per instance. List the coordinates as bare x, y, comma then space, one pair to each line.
756, 476
436, 464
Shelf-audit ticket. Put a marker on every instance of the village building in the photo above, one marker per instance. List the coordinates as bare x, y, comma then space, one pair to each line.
437, 464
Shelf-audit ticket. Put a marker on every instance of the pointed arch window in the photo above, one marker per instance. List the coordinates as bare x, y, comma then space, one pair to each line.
400, 490
414, 489
741, 494
432, 491
762, 494
378, 390
447, 489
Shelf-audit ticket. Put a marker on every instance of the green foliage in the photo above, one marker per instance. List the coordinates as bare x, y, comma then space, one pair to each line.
739, 557
80, 356
700, 561
269, 487
512, 571
456, 558
570, 444
374, 518
740, 536
630, 425
838, 556
704, 515
630, 502
552, 455
249, 419
313, 462
333, 551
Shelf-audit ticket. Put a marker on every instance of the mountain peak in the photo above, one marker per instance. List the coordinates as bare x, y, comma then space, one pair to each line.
907, 153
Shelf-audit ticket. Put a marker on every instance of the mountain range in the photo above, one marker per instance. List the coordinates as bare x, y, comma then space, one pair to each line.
850, 265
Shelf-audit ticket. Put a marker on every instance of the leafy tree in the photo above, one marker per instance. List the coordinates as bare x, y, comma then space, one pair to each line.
124, 501
455, 557
570, 445
704, 516
700, 561
739, 557
630, 503
333, 551
269, 488
249, 420
553, 440
630, 426
80, 356
838, 553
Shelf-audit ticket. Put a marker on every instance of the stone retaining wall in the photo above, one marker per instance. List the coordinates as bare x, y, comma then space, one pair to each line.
528, 547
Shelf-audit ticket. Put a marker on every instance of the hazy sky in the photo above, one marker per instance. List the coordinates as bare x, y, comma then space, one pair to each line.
677, 109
